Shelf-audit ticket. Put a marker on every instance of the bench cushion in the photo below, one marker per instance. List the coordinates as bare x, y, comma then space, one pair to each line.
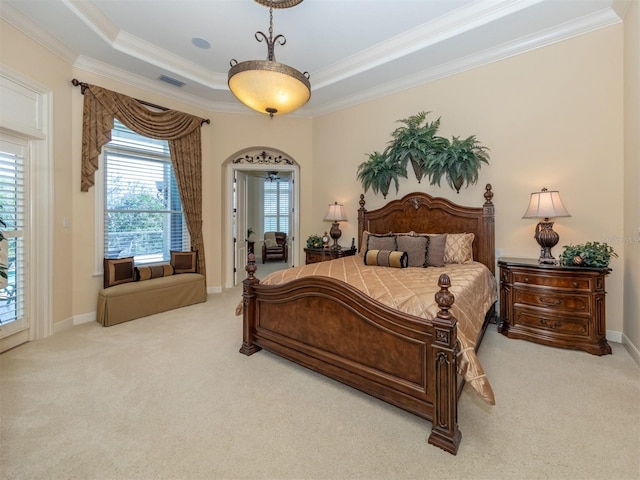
129, 301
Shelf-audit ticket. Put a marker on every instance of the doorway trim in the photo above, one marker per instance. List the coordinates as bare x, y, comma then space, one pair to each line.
31, 118
261, 159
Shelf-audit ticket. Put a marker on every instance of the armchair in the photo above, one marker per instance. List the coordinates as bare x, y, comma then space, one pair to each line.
275, 246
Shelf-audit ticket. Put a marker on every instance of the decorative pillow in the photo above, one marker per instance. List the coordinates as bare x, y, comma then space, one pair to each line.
117, 271
436, 245
386, 258
379, 241
184, 262
416, 247
458, 248
270, 240
154, 271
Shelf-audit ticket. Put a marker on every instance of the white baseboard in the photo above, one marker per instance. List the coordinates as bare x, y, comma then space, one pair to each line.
63, 325
631, 348
215, 289
84, 318
614, 336
75, 320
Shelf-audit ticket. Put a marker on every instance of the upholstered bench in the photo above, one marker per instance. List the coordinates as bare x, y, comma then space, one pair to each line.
132, 293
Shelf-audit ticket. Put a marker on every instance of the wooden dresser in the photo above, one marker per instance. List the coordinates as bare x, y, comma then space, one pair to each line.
315, 255
554, 305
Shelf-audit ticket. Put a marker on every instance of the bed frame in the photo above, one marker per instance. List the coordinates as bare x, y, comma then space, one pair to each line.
338, 331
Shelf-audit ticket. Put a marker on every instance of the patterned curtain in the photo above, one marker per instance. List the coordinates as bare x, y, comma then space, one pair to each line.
180, 129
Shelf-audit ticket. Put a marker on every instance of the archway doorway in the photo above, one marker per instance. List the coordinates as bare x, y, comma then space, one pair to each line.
255, 177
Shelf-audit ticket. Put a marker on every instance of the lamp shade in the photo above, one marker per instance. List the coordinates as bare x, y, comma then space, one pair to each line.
269, 87
335, 213
546, 204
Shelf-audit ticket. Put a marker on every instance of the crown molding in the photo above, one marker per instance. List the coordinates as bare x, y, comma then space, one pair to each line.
122, 76
440, 29
460, 21
586, 24
31, 30
135, 47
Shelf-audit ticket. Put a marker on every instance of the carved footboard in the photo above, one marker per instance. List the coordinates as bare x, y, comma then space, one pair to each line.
336, 330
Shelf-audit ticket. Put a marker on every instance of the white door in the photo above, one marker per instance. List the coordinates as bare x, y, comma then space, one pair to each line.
292, 219
240, 230
14, 211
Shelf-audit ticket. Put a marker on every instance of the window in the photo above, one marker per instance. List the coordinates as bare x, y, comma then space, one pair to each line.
276, 206
142, 209
14, 213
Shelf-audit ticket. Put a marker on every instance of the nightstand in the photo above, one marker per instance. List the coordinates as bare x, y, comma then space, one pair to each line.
554, 305
315, 255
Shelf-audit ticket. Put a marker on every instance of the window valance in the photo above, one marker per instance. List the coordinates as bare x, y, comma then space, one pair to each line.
181, 130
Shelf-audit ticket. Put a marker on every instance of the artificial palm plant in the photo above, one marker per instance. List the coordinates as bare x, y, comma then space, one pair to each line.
378, 172
458, 161
413, 142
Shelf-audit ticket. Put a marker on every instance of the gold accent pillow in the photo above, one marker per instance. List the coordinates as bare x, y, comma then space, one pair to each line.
386, 258
459, 248
154, 271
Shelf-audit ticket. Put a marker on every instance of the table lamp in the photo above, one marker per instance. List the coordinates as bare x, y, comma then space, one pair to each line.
546, 204
335, 213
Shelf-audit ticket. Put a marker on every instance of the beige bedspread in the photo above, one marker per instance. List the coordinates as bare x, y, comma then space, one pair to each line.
411, 290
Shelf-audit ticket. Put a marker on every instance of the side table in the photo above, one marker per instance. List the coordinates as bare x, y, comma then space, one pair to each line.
554, 305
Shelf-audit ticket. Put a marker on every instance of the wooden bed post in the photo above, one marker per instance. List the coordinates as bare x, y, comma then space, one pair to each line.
249, 307
488, 229
361, 225
445, 433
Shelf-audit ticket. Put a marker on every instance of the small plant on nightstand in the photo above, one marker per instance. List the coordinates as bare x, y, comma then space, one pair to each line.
314, 241
590, 254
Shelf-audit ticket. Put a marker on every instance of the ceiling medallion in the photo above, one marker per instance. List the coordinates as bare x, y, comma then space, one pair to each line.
266, 85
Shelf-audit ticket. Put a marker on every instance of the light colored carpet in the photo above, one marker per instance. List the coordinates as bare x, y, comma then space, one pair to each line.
170, 397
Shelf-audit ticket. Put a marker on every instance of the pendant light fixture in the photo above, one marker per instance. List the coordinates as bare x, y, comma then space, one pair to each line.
266, 85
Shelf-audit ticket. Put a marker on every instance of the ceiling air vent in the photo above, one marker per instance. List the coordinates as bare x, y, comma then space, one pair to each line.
171, 81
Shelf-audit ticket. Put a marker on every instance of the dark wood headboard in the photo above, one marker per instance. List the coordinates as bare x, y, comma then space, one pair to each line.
420, 212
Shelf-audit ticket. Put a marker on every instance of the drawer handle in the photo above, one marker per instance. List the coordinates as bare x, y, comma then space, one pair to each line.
546, 324
575, 284
550, 301
526, 279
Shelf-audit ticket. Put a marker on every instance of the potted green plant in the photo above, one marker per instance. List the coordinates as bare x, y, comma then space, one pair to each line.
249, 233
314, 241
379, 171
458, 161
413, 142
590, 254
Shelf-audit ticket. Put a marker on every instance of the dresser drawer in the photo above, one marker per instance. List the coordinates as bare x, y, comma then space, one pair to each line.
557, 325
558, 302
554, 304
555, 281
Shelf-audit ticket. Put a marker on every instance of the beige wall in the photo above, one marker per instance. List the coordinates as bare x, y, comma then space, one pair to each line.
28, 58
632, 174
225, 136
552, 117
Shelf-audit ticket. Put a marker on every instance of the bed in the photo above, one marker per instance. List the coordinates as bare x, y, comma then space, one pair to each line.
317, 320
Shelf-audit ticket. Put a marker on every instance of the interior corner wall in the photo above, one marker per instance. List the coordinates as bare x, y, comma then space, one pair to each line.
632, 176
552, 117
